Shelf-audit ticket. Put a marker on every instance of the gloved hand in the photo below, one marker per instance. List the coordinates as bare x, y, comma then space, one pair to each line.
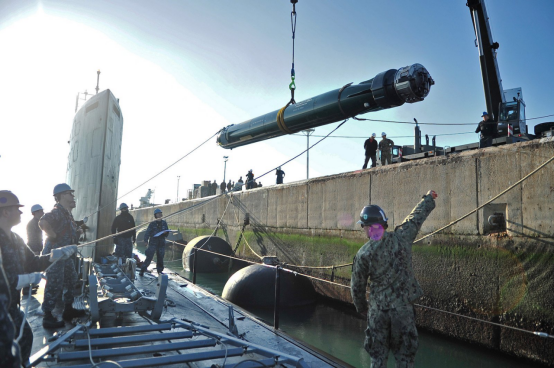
28, 279
63, 253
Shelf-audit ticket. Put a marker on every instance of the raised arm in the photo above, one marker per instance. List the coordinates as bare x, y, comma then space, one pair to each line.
412, 224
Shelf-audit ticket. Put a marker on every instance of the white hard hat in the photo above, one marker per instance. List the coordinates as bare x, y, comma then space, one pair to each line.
382, 134
36, 207
373, 135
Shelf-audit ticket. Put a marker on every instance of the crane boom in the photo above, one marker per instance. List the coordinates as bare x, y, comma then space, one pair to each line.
492, 83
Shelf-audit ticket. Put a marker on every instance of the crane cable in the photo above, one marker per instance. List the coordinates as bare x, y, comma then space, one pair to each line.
292, 86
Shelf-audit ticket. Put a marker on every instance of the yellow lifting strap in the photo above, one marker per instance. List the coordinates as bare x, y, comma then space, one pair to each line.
281, 120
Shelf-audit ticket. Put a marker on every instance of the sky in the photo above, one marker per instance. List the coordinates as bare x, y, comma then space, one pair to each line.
185, 69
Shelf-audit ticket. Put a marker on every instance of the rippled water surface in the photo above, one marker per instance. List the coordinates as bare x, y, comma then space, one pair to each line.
337, 330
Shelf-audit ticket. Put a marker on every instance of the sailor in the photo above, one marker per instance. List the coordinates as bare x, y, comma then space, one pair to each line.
238, 185
386, 259
124, 242
21, 264
34, 236
9, 349
487, 129
34, 233
370, 146
154, 237
61, 230
213, 188
385, 146
250, 179
280, 174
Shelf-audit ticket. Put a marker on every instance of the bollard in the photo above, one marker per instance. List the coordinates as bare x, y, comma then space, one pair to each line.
277, 298
194, 266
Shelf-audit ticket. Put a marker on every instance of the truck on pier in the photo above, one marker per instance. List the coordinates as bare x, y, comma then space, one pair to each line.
506, 108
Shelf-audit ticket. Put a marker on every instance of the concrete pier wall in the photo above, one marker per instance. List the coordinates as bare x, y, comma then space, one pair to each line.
505, 277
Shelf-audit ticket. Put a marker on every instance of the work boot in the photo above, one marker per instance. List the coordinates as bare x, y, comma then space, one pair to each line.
69, 312
49, 321
141, 273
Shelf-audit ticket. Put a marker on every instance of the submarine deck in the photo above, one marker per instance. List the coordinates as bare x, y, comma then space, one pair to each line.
184, 302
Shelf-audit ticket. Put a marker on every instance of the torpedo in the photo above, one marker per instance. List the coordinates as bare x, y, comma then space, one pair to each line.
391, 88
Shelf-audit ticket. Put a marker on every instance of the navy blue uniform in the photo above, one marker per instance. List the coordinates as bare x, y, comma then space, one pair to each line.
156, 244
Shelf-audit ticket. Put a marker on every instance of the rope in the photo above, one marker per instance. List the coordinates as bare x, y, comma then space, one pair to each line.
218, 223
281, 120
322, 267
541, 334
398, 136
140, 185
410, 122
537, 333
489, 201
292, 86
243, 237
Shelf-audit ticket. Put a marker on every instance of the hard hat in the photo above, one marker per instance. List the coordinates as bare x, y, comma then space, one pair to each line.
382, 134
122, 206
373, 135
157, 210
60, 188
8, 199
373, 214
35, 208
485, 114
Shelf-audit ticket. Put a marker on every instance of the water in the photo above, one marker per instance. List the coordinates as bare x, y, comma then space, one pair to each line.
337, 330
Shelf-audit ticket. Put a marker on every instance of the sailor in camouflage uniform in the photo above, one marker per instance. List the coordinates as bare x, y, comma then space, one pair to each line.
9, 349
156, 244
61, 230
21, 265
386, 259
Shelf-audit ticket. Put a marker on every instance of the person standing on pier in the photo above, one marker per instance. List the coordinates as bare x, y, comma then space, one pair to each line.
386, 259
249, 179
230, 185
488, 131
280, 175
370, 146
385, 146
222, 187
124, 242
154, 237
22, 265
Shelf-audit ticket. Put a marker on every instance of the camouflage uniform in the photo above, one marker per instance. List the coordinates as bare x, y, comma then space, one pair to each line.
386, 146
19, 259
156, 245
393, 289
9, 349
34, 236
62, 274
